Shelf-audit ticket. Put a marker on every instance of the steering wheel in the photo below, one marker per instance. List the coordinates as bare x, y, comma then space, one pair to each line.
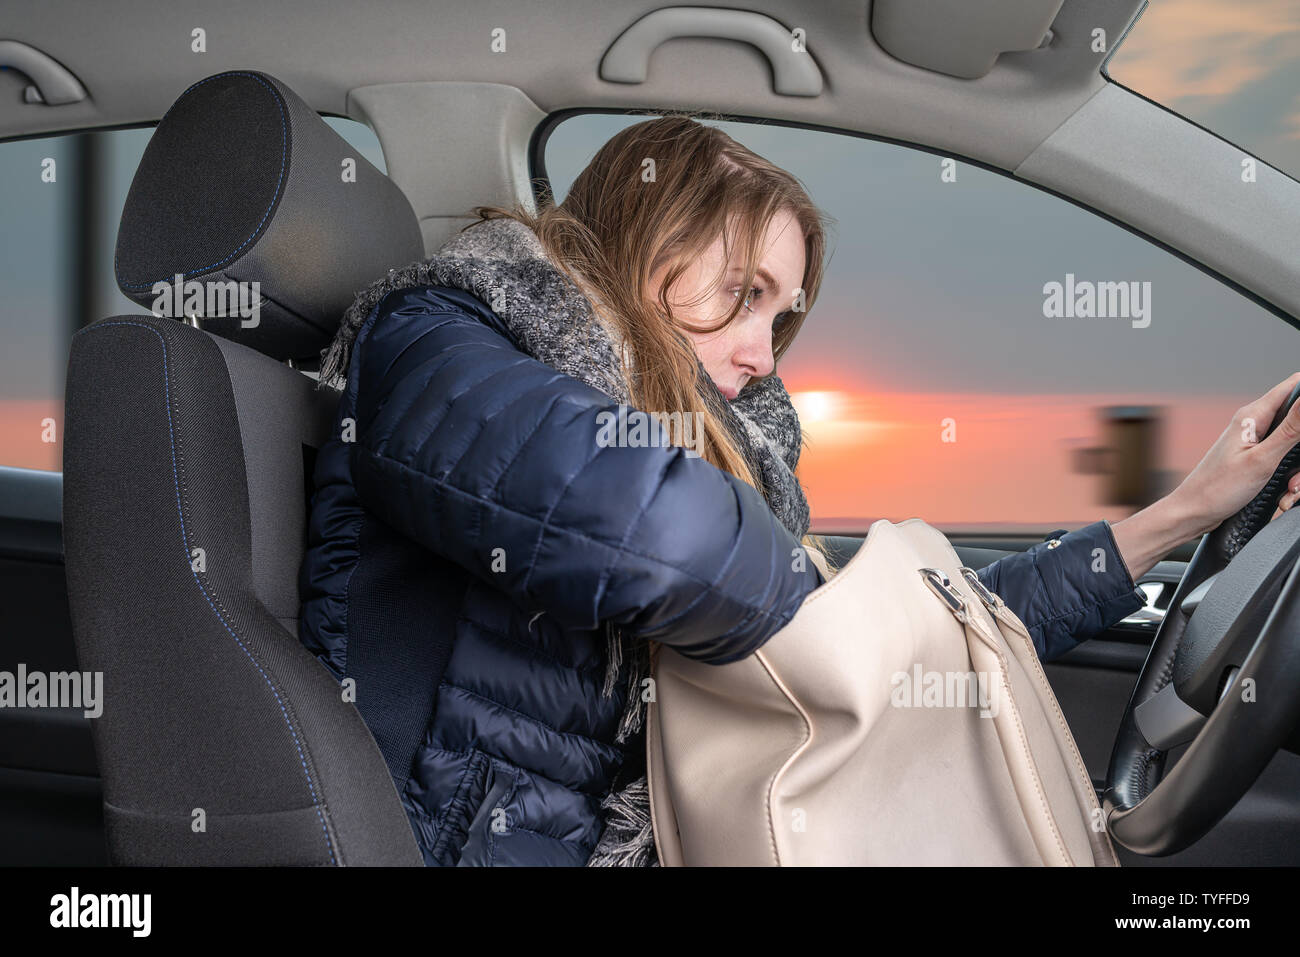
1222, 673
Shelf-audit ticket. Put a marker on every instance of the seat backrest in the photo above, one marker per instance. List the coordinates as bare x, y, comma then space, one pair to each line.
187, 456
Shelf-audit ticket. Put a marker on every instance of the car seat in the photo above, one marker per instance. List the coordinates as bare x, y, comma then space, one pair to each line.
187, 465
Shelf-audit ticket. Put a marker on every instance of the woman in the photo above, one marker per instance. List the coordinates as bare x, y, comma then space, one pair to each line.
496, 539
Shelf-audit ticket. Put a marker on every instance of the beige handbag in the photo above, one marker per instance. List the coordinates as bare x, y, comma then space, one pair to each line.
901, 717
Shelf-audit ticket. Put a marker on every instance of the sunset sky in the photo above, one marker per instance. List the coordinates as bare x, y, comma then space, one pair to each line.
932, 308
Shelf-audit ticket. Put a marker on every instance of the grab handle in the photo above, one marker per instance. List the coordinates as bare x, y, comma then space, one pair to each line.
793, 71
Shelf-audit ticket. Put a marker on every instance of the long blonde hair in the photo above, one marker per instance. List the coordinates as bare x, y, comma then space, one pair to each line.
658, 194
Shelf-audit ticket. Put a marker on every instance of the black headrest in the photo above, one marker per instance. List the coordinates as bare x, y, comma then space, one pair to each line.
243, 182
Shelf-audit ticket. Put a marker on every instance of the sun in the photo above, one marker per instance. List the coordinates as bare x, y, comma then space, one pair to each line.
818, 406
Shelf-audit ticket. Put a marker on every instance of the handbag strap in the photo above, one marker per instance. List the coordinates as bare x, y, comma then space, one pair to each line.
987, 657
663, 818
1022, 646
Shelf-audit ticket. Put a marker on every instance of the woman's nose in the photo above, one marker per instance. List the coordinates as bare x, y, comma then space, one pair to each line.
755, 352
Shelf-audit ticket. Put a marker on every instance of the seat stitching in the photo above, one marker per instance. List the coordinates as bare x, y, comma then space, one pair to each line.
176, 482
284, 142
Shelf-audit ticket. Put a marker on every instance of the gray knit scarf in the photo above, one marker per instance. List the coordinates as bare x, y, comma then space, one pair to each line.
503, 263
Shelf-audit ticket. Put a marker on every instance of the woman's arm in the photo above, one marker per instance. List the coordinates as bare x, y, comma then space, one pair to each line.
1075, 590
492, 460
1230, 475
1147, 536
1066, 590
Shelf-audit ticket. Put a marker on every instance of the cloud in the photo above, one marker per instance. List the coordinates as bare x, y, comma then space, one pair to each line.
1292, 128
1207, 48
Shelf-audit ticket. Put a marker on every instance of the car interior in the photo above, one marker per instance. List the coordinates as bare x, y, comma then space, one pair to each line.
165, 552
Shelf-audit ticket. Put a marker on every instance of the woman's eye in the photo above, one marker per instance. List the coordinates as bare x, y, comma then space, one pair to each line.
754, 293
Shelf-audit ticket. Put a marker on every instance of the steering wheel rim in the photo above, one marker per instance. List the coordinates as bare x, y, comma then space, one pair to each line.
1237, 727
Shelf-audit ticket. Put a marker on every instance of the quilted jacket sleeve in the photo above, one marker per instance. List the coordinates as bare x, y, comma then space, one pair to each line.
1066, 594
491, 459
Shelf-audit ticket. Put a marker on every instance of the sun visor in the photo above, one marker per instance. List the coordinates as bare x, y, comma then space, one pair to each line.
961, 38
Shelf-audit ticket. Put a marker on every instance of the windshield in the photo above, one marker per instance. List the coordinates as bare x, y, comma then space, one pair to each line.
1234, 68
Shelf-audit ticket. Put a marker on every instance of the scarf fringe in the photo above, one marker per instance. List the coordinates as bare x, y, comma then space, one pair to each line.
637, 671
628, 837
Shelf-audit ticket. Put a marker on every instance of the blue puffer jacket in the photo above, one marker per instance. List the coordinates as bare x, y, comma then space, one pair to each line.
469, 541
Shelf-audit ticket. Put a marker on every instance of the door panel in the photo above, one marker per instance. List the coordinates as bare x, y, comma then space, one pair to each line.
50, 810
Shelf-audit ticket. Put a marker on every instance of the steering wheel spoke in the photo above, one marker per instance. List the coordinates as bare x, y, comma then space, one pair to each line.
1166, 720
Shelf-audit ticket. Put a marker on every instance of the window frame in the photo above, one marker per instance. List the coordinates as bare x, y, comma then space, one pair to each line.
1104, 69
542, 133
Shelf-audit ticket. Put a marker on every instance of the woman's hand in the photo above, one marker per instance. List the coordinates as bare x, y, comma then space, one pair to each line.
1230, 475
1289, 498
1239, 463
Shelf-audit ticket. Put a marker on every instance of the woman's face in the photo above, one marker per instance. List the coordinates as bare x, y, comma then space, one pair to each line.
743, 350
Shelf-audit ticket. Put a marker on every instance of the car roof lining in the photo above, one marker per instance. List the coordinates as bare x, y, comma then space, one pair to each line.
554, 59
414, 84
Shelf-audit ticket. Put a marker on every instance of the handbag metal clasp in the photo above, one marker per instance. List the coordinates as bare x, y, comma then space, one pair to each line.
941, 585
973, 579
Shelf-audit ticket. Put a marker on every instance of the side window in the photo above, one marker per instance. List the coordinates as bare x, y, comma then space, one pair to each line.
61, 198
361, 137
984, 355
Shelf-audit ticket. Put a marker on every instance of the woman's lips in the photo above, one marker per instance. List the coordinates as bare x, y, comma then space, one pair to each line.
731, 393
